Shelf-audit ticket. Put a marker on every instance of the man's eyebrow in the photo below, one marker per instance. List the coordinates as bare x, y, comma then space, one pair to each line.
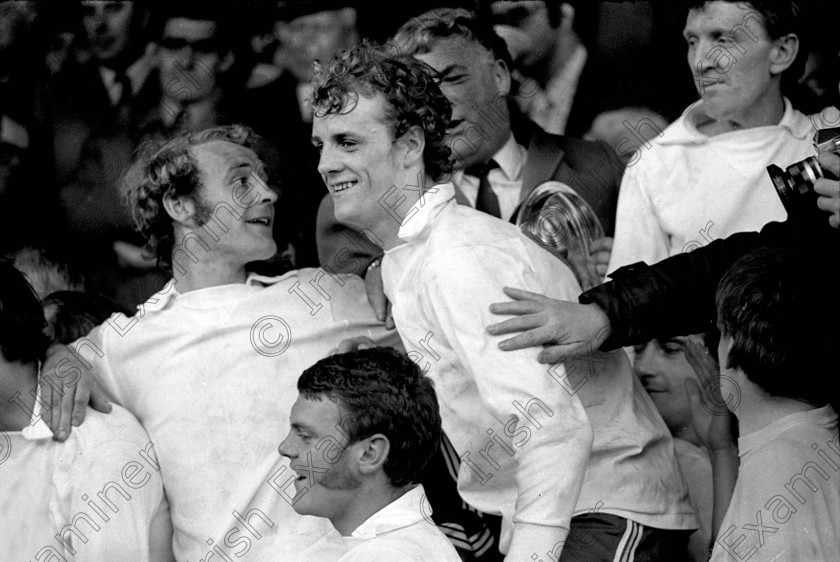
302, 427
235, 167
450, 69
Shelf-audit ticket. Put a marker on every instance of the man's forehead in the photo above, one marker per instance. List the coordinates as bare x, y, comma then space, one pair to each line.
456, 50
315, 412
724, 16
222, 154
360, 112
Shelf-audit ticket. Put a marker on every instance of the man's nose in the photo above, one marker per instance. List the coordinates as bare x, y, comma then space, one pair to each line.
643, 362
285, 448
329, 161
703, 59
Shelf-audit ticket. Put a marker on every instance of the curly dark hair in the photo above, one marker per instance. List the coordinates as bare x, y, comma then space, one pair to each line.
409, 87
381, 391
782, 324
168, 166
22, 323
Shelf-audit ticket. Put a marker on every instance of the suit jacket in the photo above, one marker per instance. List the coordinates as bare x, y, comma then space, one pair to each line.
590, 168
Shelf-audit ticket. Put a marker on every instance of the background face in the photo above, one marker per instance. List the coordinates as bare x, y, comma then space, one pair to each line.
663, 370
110, 27
189, 61
359, 162
730, 82
233, 177
313, 37
477, 86
526, 30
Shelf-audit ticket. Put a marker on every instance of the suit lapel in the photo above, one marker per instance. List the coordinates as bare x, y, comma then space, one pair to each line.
542, 160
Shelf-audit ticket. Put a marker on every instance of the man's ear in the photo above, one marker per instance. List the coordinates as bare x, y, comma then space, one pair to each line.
501, 75
373, 453
783, 53
414, 141
181, 209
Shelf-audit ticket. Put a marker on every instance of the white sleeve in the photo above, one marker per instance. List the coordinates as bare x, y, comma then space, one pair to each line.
121, 494
459, 287
638, 234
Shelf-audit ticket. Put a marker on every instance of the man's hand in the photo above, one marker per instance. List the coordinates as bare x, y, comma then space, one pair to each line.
376, 297
829, 190
599, 254
353, 344
66, 387
712, 420
563, 328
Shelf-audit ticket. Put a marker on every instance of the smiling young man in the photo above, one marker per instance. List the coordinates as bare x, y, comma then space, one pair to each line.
380, 124
363, 427
500, 157
705, 178
210, 361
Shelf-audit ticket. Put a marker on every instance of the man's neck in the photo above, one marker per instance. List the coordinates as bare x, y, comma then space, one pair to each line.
765, 113
202, 275
369, 500
758, 410
18, 387
386, 225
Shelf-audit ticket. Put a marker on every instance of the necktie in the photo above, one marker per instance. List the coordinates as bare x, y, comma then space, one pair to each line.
486, 201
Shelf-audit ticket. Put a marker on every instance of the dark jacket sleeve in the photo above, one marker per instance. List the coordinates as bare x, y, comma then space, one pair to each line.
342, 248
677, 295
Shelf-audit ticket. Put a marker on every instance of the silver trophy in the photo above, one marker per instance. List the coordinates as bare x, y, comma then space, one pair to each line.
558, 219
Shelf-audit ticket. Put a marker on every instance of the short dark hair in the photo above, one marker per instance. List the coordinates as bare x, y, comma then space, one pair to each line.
408, 86
168, 166
22, 337
780, 18
381, 391
783, 327
77, 313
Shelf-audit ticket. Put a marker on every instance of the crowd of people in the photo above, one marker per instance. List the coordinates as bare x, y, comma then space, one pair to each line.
283, 301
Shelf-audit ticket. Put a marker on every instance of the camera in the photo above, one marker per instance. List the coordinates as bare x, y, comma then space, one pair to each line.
795, 184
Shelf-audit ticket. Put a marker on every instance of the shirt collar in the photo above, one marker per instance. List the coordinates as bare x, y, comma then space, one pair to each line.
161, 299
684, 130
510, 158
410, 508
423, 213
37, 429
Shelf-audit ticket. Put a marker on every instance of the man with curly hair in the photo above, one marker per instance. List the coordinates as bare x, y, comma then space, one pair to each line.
521, 432
209, 363
499, 156
374, 417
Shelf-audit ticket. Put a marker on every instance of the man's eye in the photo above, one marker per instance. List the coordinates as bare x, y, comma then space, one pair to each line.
455, 79
348, 144
672, 349
318, 147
